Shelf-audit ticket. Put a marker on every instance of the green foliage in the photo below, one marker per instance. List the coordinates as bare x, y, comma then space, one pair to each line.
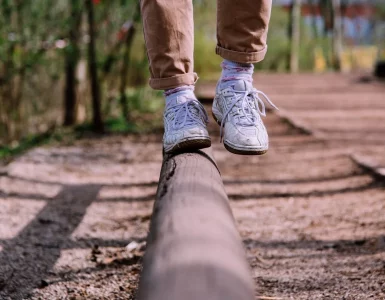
380, 12
206, 62
145, 107
112, 125
35, 39
120, 125
36, 43
31, 141
139, 71
36, 48
277, 57
278, 53
144, 100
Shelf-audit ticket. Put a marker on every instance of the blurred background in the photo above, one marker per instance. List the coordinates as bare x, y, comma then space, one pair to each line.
69, 67
75, 208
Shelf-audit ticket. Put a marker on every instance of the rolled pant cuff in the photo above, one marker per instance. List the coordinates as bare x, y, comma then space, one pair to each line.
241, 57
174, 81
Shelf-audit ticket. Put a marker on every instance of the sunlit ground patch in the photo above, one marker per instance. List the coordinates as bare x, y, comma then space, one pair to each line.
15, 214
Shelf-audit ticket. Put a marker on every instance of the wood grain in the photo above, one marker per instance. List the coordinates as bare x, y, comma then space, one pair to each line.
193, 250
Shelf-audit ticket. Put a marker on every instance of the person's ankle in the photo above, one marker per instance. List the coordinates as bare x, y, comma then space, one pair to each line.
185, 91
233, 71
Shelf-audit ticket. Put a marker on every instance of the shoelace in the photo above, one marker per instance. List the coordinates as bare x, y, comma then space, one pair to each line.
251, 104
187, 113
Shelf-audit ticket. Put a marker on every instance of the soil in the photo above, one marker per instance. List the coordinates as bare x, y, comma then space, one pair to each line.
74, 219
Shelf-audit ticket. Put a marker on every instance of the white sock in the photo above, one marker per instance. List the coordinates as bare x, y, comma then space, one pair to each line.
233, 71
185, 92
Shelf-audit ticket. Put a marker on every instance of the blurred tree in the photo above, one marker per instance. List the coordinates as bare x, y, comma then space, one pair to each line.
43, 48
295, 36
72, 55
22, 47
128, 29
337, 34
93, 71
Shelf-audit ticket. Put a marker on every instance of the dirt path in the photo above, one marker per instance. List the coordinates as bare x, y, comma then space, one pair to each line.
311, 218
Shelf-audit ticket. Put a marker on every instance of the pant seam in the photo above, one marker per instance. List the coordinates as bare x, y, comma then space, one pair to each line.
241, 57
174, 81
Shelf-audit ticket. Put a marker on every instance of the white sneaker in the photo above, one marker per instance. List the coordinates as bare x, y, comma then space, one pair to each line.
238, 109
185, 121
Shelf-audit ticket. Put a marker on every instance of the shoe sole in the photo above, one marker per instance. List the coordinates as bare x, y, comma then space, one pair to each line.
244, 151
190, 145
239, 151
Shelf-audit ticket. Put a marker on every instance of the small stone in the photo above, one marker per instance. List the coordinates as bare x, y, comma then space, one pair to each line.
359, 242
95, 250
132, 246
43, 284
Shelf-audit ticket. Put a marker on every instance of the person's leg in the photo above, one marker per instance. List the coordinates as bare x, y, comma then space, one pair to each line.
242, 32
242, 29
169, 35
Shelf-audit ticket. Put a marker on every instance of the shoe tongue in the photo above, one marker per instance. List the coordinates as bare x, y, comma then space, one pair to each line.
242, 85
181, 97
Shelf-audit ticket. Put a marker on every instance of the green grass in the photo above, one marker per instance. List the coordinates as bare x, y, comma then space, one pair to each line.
144, 99
64, 136
119, 125
116, 125
146, 117
9, 151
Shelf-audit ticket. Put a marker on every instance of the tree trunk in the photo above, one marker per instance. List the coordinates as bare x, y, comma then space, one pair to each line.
337, 34
130, 27
295, 36
124, 72
71, 61
93, 72
70, 93
19, 118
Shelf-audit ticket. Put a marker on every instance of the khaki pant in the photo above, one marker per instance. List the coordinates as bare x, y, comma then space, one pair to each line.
169, 34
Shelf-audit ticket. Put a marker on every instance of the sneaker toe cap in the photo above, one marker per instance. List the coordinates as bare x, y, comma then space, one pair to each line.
246, 136
188, 133
196, 131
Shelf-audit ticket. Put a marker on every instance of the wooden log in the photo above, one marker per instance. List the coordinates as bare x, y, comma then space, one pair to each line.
193, 249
